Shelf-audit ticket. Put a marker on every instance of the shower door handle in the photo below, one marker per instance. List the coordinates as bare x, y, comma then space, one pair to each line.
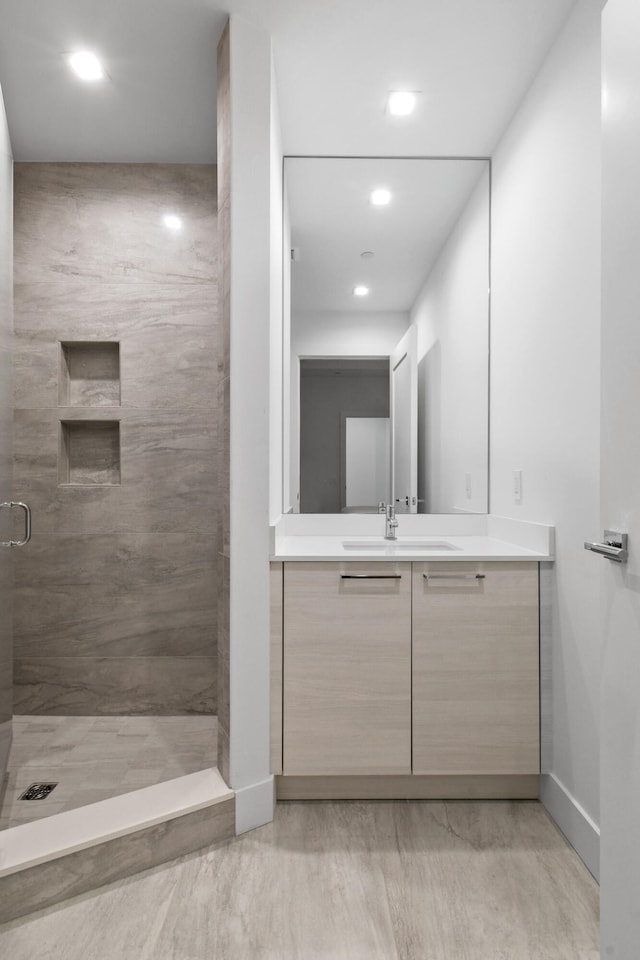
27, 523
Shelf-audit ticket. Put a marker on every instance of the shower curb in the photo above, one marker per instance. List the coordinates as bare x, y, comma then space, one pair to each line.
66, 854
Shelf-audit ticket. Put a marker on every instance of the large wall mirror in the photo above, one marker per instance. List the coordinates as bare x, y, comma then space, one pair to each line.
386, 334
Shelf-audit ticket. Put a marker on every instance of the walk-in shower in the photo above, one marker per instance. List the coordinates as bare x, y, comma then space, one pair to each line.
116, 362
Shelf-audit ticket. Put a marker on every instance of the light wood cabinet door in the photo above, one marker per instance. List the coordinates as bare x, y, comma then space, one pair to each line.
475, 668
347, 668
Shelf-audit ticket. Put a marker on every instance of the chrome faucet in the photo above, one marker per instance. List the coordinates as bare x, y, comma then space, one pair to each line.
391, 524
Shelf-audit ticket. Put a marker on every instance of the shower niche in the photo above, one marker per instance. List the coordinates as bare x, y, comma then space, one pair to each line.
89, 378
89, 374
89, 452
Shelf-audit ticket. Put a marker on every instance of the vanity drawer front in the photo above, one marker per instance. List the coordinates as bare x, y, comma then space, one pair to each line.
475, 668
347, 668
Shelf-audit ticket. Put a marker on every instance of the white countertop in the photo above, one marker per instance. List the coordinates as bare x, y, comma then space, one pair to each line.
474, 538
406, 548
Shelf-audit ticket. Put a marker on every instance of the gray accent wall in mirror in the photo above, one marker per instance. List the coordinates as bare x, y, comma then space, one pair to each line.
386, 334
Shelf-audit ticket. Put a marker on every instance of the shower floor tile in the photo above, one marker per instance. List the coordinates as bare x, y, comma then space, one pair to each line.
93, 758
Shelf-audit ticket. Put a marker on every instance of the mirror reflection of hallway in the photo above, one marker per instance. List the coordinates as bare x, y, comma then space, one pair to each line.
335, 392
357, 277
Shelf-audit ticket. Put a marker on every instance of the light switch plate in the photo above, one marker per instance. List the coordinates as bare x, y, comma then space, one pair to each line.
517, 486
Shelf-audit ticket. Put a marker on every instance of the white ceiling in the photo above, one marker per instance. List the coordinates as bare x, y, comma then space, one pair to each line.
333, 222
335, 61
159, 101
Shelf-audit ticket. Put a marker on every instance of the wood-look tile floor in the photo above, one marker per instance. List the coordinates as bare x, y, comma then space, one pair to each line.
400, 880
93, 758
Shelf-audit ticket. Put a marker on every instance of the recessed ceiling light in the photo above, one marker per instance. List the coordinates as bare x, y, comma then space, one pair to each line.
86, 65
380, 197
171, 221
401, 103
360, 291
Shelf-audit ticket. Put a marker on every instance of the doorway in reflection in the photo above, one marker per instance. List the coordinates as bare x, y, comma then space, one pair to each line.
344, 434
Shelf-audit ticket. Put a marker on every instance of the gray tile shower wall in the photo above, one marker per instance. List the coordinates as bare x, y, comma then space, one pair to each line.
116, 596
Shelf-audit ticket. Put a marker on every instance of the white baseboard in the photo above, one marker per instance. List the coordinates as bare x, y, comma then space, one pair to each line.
575, 823
255, 805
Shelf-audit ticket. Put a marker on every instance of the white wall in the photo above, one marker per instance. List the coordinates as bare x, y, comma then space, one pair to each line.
620, 765
451, 316
276, 312
252, 270
289, 429
545, 377
319, 334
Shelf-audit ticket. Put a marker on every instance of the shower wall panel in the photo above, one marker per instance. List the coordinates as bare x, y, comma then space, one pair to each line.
116, 598
224, 394
6, 554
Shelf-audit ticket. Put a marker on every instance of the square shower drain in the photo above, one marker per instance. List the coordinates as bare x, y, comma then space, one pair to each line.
38, 791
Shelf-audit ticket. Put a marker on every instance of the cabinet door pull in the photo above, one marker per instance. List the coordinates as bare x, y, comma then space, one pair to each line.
453, 576
371, 576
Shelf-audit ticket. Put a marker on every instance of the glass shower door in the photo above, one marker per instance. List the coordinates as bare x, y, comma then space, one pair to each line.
6, 446
6, 535
7, 543
6, 623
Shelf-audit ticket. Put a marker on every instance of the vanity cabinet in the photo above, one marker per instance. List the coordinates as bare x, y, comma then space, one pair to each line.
347, 668
475, 668
408, 679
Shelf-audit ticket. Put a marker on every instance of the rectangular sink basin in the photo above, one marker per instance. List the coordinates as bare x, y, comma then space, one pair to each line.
400, 544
